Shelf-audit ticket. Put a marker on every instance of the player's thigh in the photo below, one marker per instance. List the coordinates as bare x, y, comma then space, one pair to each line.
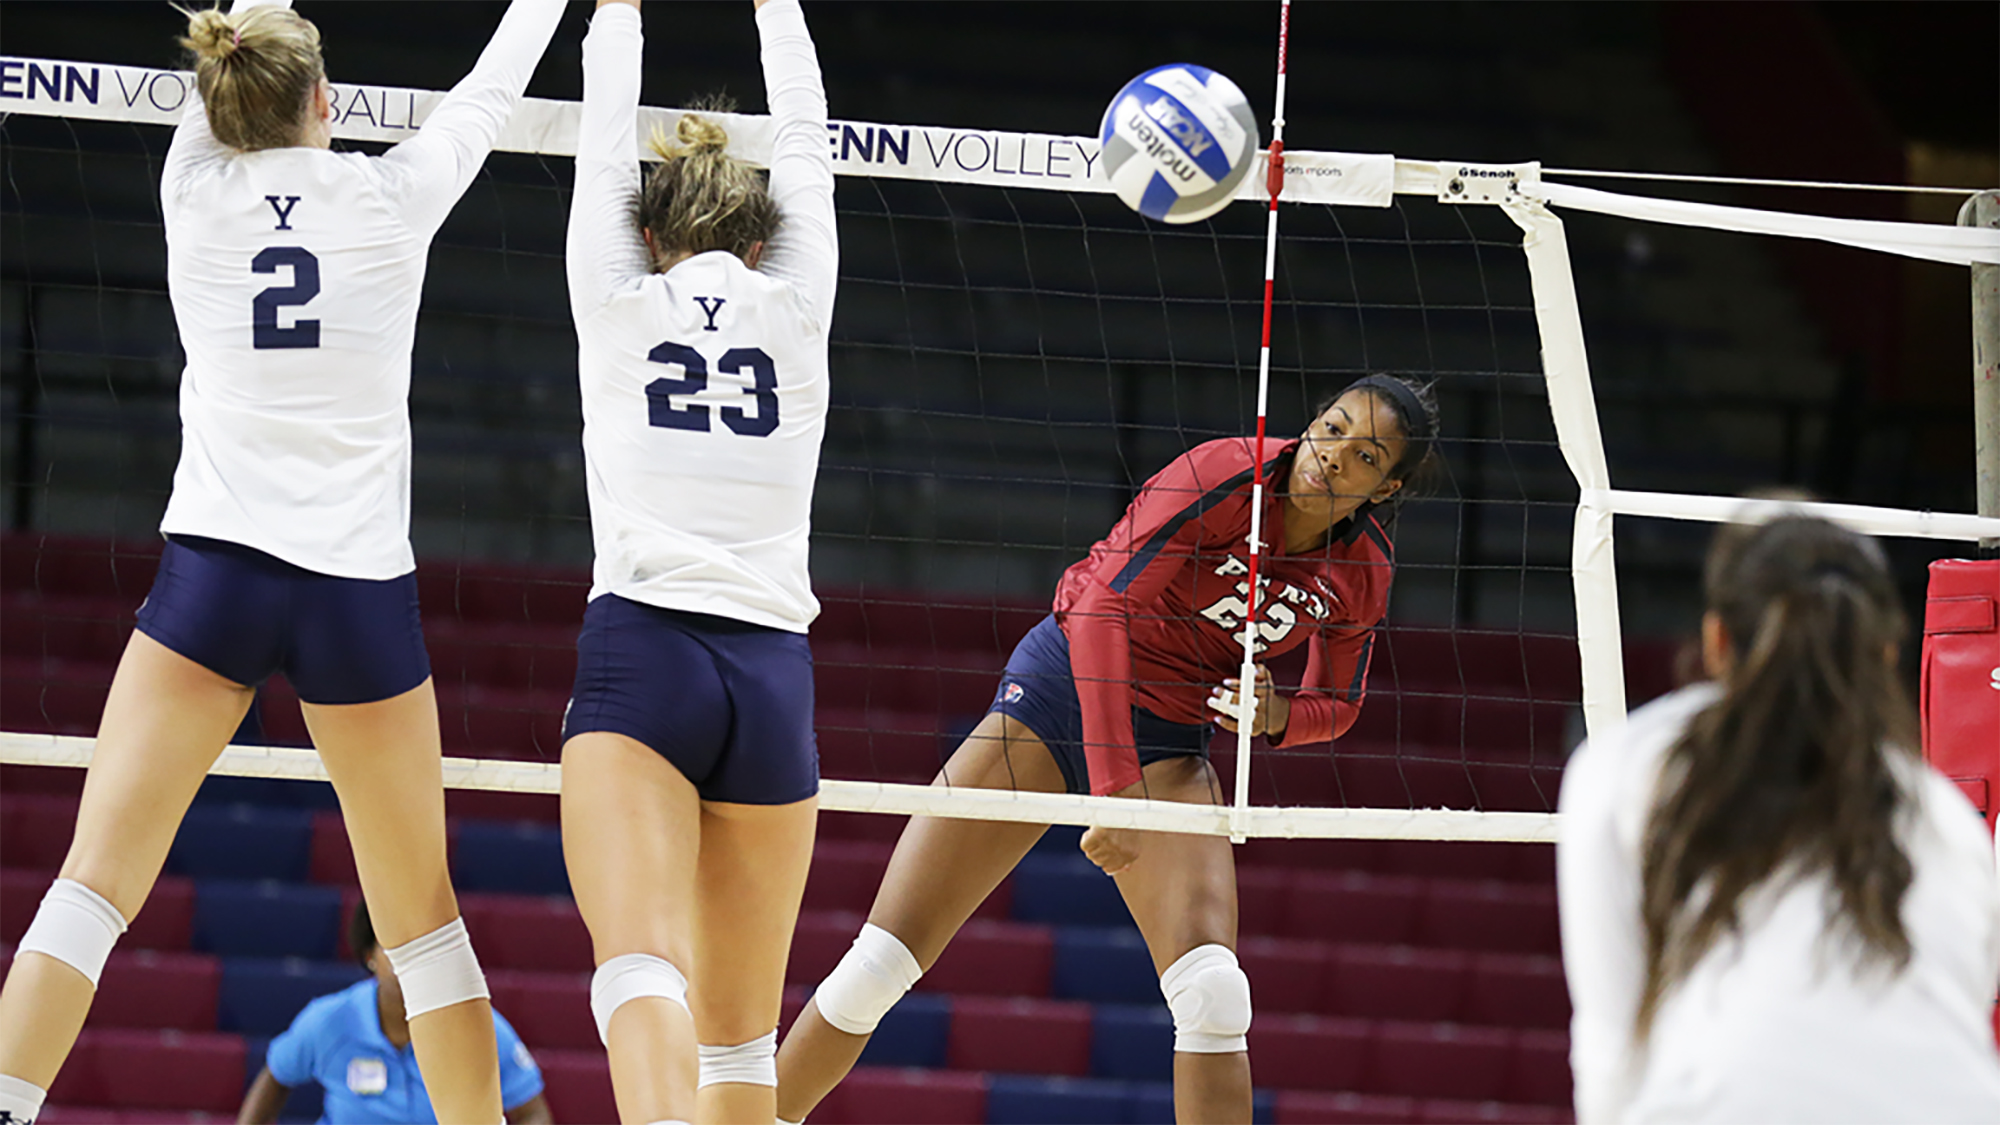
944, 867
752, 875
387, 768
1182, 888
631, 828
165, 721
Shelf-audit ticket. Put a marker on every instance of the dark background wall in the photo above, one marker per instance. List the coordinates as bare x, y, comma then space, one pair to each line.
1009, 364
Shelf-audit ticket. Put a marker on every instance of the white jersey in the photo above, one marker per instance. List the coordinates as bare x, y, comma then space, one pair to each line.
1777, 1023
295, 275
704, 387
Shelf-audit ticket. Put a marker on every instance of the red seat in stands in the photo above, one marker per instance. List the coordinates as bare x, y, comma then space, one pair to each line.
1501, 917
1353, 907
527, 932
990, 958
1020, 1036
1516, 990
577, 1085
1440, 1060
1309, 1052
549, 1010
181, 1070
899, 1096
1395, 982
1285, 975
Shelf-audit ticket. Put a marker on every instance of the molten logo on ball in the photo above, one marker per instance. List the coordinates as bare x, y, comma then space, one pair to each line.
1177, 140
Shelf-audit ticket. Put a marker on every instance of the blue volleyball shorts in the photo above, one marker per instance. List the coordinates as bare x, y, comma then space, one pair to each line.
243, 615
1039, 689
729, 703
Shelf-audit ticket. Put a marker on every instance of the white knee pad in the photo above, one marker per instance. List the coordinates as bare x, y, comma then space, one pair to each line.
76, 926
634, 976
438, 970
876, 971
1209, 997
20, 1099
754, 1063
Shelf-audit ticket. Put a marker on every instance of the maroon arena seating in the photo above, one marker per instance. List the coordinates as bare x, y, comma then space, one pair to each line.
547, 1009
523, 932
1309, 1052
153, 1069
1012, 1035
990, 958
883, 1096
577, 1085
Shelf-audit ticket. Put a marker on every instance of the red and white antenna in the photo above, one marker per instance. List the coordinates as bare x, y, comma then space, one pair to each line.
1246, 695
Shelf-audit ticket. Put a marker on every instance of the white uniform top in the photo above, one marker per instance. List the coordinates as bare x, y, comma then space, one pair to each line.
295, 275
704, 387
1776, 1024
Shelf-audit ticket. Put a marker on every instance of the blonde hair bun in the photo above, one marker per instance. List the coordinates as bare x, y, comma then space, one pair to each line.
694, 135
256, 69
210, 34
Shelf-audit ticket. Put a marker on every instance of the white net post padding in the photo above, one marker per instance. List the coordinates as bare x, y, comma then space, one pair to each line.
1566, 369
1033, 161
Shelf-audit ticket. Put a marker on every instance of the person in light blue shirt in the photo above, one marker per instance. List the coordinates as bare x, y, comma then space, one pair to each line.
356, 1044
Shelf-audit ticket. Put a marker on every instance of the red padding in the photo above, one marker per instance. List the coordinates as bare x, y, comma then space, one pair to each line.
1961, 677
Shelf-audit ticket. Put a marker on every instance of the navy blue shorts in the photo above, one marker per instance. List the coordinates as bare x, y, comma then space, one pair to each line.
243, 615
730, 704
1039, 690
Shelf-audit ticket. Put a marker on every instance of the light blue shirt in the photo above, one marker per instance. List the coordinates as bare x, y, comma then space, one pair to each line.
337, 1041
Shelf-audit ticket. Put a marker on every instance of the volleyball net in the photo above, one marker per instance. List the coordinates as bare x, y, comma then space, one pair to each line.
1014, 353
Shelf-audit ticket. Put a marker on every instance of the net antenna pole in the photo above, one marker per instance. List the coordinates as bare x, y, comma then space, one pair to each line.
1983, 211
1246, 694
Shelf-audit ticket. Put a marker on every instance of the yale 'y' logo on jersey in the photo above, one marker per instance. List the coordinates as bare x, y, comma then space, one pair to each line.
1277, 610
283, 210
711, 310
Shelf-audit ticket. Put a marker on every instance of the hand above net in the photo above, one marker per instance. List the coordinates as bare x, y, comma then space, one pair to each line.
1272, 712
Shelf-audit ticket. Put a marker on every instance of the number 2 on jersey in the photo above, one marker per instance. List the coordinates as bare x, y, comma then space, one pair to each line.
662, 411
264, 330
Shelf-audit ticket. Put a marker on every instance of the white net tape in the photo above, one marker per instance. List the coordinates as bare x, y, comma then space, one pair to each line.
1037, 161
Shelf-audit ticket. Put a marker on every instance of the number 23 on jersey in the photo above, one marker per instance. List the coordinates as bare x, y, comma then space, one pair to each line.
757, 418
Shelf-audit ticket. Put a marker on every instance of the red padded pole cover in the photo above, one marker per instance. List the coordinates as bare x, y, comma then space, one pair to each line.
1961, 687
1961, 678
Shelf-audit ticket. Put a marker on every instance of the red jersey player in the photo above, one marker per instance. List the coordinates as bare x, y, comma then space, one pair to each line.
1112, 694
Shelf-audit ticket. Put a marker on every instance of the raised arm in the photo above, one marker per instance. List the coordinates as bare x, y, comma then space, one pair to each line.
604, 252
425, 175
805, 253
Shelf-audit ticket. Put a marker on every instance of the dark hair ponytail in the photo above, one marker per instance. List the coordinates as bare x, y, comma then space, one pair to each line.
1788, 774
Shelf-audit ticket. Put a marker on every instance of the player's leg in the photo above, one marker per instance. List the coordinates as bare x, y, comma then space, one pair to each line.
1182, 893
631, 837
357, 658
647, 721
752, 875
165, 721
941, 871
385, 761
760, 803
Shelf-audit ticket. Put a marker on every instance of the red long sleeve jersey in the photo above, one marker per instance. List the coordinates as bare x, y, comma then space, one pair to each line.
1154, 615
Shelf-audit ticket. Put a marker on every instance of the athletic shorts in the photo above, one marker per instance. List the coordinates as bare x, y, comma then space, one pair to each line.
730, 704
1039, 690
243, 615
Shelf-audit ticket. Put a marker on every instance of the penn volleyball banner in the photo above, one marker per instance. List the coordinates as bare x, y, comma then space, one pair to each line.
56, 88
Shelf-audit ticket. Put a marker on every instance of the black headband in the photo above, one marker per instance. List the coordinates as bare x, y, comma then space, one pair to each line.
1416, 420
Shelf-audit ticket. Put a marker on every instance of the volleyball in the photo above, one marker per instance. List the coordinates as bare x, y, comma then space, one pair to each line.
1176, 141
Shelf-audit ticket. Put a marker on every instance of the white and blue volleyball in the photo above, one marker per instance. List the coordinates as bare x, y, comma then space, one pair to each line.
1176, 141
